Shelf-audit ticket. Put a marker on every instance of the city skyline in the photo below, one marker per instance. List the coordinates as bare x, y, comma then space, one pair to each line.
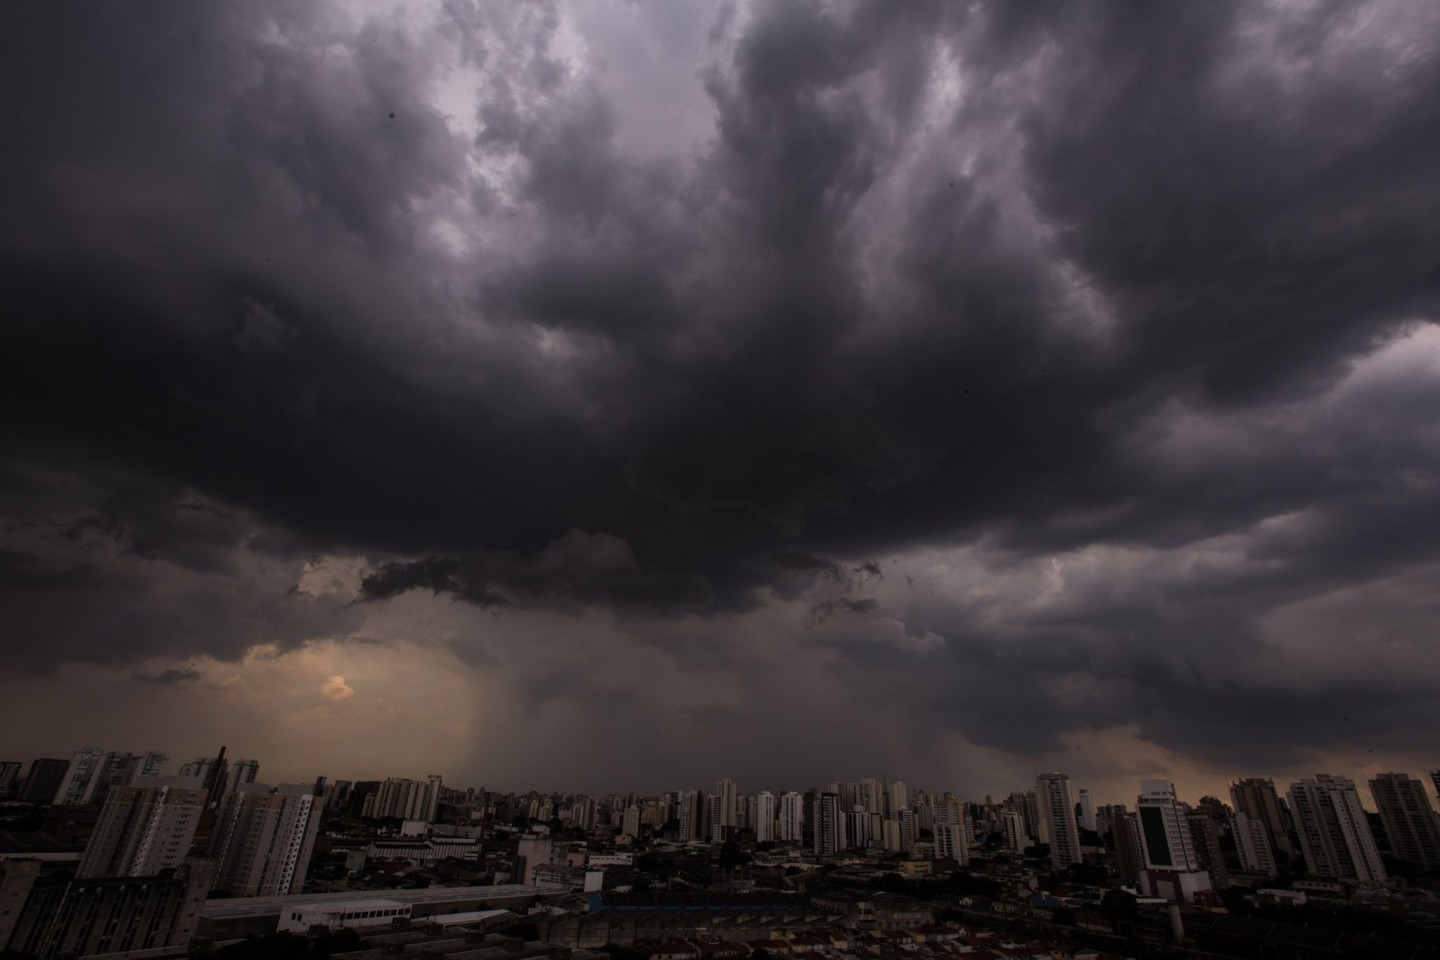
1423, 785
638, 393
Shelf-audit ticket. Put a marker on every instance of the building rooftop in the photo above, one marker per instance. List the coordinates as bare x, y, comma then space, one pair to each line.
260, 906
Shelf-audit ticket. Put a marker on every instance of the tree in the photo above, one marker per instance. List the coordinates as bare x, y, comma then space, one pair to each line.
1119, 906
730, 855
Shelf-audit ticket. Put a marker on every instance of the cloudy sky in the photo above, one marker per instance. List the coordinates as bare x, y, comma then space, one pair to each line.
620, 395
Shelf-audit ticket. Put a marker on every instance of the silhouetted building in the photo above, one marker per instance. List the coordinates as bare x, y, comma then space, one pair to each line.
1057, 816
1409, 820
50, 915
263, 839
1334, 832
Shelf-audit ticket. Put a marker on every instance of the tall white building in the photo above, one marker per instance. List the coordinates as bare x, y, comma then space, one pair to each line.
263, 839
791, 826
1408, 818
722, 810
1165, 837
144, 829
950, 841
1334, 835
1056, 808
764, 820
405, 799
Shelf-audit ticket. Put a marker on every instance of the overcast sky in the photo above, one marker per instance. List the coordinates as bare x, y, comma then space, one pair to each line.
623, 395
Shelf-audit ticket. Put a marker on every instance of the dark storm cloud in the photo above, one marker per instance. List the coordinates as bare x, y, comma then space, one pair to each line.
169, 678
576, 571
1028, 280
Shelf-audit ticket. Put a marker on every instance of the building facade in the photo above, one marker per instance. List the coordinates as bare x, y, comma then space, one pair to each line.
1409, 819
263, 839
1057, 818
1334, 834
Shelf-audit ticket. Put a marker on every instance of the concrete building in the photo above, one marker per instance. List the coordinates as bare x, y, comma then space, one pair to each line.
1252, 845
950, 841
263, 838
1016, 839
404, 799
722, 810
764, 818
43, 780
1129, 855
1205, 837
692, 815
1334, 834
143, 830
1409, 820
829, 825
790, 827
1164, 835
1087, 810
47, 916
9, 778
897, 798
82, 777
1257, 799
1057, 819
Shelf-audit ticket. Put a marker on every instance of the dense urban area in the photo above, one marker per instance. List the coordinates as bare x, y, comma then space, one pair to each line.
110, 854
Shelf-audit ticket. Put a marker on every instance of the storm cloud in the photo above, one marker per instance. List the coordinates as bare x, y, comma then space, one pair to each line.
1024, 373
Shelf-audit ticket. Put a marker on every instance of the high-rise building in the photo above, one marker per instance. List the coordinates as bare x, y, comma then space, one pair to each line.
1205, 836
692, 817
1057, 817
1129, 856
144, 829
1334, 834
9, 778
897, 797
406, 799
43, 780
150, 766
1087, 810
829, 825
872, 795
857, 827
82, 777
263, 839
791, 826
1252, 845
1408, 818
764, 820
630, 822
1016, 839
60, 916
1164, 834
950, 841
1257, 799
722, 810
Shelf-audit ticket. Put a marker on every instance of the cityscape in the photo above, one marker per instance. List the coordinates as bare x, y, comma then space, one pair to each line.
210, 859
720, 480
